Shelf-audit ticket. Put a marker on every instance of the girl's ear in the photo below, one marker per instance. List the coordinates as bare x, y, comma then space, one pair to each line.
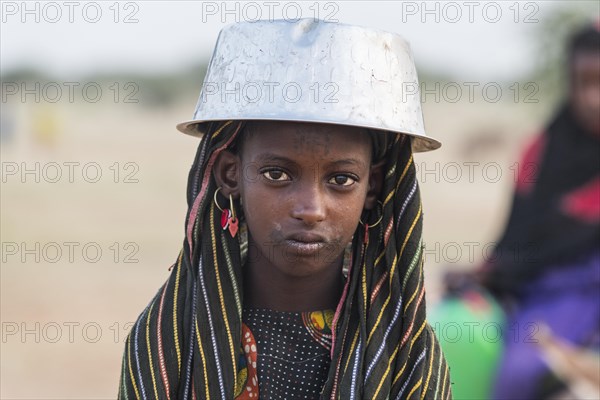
226, 173
375, 184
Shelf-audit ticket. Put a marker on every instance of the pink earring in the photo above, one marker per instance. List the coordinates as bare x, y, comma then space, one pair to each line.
228, 218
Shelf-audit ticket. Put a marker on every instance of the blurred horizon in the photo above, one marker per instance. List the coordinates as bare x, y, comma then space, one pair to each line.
518, 46
504, 48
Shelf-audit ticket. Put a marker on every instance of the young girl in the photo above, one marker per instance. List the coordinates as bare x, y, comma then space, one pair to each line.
301, 273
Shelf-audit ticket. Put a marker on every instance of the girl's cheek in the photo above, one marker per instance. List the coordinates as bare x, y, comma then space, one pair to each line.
247, 210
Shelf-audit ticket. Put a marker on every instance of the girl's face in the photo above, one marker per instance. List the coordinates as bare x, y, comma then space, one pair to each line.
585, 89
303, 187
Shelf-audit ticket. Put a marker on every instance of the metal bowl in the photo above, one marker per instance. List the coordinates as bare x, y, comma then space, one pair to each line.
312, 71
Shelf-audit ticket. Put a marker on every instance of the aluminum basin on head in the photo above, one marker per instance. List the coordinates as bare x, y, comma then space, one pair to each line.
312, 71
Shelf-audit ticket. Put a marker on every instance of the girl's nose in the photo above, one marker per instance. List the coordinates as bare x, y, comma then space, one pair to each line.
309, 205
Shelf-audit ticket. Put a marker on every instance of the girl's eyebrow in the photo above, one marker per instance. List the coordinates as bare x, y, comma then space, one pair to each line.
275, 158
348, 161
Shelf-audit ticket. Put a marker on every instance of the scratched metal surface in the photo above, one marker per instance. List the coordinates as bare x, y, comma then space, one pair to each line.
312, 71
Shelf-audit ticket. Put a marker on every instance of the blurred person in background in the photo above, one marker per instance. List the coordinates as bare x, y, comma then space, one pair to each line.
543, 277
546, 266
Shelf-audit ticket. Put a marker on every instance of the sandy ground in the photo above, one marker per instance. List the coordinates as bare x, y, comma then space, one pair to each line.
65, 316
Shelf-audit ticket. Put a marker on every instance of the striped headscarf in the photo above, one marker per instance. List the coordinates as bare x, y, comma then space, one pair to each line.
187, 343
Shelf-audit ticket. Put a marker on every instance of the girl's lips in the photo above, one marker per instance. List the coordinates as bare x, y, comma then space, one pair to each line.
306, 237
304, 248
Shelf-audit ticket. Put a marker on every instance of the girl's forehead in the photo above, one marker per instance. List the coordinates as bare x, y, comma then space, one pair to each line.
301, 137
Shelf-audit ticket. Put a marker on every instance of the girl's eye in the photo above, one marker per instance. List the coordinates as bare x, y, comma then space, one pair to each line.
342, 180
276, 175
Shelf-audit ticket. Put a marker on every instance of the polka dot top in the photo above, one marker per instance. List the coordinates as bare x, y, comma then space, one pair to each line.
286, 355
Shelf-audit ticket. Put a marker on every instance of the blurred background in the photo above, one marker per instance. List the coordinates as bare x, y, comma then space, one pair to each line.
94, 172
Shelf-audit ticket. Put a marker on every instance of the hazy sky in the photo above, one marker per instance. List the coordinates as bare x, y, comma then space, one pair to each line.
468, 39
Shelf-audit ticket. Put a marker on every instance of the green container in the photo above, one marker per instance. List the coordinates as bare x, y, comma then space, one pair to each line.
470, 327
